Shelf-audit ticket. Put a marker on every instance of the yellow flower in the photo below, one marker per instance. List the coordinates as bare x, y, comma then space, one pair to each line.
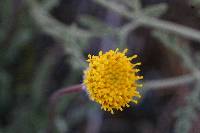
111, 78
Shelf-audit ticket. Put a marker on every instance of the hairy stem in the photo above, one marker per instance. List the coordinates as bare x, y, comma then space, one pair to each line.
169, 82
171, 27
152, 22
54, 99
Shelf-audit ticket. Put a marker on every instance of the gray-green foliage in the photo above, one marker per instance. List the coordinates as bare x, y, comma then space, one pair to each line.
195, 2
27, 115
17, 63
24, 84
73, 38
186, 115
139, 16
101, 29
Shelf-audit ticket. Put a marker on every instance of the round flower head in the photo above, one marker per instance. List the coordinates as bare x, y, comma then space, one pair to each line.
111, 79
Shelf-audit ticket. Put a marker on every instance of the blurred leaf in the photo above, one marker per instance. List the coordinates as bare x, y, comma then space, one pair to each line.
5, 17
5, 13
121, 9
96, 26
136, 5
170, 41
20, 40
49, 4
194, 2
5, 84
27, 120
23, 36
185, 115
155, 10
74, 50
41, 78
61, 32
61, 125
53, 27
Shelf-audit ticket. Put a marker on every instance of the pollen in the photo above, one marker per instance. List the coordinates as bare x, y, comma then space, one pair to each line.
111, 80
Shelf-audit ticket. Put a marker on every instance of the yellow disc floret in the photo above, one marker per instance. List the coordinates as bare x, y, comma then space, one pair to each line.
111, 79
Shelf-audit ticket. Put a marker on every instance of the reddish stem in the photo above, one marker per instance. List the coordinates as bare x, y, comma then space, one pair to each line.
54, 99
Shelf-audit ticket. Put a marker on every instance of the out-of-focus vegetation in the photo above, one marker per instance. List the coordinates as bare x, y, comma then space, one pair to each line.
44, 44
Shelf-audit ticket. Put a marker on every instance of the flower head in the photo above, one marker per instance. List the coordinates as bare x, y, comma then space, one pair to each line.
111, 79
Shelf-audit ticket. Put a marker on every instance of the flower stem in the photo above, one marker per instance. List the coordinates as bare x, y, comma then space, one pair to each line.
54, 99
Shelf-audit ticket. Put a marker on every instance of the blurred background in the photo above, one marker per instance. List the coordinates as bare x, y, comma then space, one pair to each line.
44, 45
